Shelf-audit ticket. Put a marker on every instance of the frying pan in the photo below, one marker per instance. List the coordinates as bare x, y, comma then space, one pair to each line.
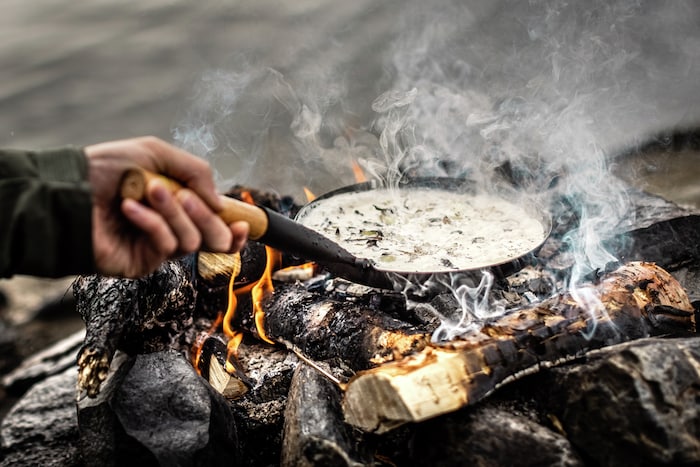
383, 275
292, 236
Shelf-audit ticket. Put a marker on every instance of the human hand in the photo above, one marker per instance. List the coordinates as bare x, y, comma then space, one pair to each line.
131, 239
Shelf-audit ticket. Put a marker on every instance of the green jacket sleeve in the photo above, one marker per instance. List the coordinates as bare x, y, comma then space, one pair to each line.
45, 213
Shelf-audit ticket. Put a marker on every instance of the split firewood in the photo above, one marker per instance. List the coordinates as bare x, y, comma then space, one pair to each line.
211, 365
637, 300
216, 269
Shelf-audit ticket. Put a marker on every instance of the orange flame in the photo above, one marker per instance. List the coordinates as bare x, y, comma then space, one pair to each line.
262, 289
309, 195
247, 197
258, 290
234, 337
359, 173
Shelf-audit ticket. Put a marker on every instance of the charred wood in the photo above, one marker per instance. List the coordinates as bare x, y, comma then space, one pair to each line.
323, 328
640, 397
212, 367
493, 433
259, 413
314, 430
637, 300
214, 273
135, 316
654, 230
282, 204
215, 270
672, 243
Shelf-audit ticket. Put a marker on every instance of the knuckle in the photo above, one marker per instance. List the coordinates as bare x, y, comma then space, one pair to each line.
166, 248
191, 243
151, 141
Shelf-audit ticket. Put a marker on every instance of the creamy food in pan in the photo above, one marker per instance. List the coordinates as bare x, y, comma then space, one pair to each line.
425, 229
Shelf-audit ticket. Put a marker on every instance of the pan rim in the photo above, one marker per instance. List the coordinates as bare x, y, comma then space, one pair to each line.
459, 185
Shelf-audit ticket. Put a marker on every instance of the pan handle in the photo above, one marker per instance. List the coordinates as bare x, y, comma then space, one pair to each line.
134, 184
266, 226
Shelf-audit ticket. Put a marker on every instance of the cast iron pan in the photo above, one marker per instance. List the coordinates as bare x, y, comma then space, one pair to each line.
369, 273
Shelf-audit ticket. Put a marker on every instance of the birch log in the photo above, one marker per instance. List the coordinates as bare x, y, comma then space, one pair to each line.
637, 300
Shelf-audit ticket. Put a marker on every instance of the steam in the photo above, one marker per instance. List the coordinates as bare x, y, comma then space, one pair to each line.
261, 128
549, 89
475, 306
545, 105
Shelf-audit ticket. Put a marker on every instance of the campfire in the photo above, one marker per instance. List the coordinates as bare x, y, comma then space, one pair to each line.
572, 343
264, 357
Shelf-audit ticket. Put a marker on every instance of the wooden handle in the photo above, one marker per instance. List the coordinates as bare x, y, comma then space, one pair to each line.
134, 187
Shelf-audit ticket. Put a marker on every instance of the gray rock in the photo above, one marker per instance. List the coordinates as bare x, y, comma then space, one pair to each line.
634, 403
48, 362
42, 428
489, 435
155, 409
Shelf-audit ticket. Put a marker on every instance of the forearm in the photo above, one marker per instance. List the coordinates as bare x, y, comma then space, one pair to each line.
45, 213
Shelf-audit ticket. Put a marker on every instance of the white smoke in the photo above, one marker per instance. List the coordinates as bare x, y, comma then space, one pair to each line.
552, 88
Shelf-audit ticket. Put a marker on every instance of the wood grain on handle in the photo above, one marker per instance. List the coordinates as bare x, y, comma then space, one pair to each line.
134, 187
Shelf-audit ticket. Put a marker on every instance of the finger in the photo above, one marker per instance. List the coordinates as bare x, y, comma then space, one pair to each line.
240, 231
191, 170
165, 204
216, 235
159, 236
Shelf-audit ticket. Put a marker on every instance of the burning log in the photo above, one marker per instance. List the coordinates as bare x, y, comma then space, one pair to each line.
324, 328
215, 270
637, 300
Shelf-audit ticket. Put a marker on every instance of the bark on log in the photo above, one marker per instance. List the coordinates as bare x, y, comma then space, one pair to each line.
132, 315
323, 328
637, 300
314, 431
